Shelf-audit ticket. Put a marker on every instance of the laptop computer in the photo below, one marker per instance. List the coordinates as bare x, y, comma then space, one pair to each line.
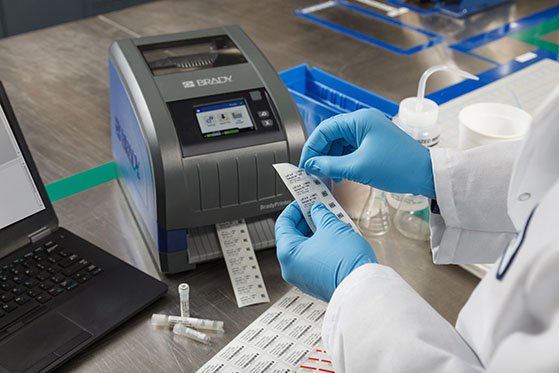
58, 292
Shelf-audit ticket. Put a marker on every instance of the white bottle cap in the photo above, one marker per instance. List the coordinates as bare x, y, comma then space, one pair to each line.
183, 288
158, 319
418, 112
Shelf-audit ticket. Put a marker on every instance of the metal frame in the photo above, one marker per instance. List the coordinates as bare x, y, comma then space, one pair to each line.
306, 13
466, 46
485, 78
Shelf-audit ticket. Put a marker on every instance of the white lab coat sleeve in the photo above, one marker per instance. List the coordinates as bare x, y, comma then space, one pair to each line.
471, 188
518, 352
375, 322
534, 345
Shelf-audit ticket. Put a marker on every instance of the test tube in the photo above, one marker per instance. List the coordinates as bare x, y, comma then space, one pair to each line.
184, 291
191, 322
182, 329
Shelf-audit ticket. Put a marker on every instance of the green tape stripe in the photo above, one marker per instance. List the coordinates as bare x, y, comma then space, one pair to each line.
84, 180
533, 34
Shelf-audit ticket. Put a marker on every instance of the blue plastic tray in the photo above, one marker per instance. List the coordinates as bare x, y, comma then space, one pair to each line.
320, 95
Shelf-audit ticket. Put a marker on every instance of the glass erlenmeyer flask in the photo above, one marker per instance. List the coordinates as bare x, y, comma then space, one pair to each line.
375, 217
412, 217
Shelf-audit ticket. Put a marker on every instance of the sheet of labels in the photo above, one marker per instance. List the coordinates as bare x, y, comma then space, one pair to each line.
284, 339
242, 266
308, 190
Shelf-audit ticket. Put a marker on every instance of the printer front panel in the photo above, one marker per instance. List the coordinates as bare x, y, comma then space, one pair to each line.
233, 184
229, 143
225, 121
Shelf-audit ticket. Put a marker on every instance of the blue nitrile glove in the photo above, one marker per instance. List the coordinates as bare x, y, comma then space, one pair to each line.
317, 263
366, 147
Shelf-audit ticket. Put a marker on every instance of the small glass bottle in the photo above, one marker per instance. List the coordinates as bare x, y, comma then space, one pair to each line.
412, 217
374, 219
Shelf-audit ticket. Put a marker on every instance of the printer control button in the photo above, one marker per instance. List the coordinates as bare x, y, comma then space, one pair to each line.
256, 95
264, 114
267, 123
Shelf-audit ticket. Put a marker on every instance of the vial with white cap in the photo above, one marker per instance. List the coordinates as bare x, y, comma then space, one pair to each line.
164, 320
184, 298
418, 116
181, 329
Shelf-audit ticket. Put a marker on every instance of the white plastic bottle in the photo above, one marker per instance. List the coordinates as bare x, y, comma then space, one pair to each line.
418, 116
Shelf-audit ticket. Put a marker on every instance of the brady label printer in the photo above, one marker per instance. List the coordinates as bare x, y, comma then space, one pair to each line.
197, 120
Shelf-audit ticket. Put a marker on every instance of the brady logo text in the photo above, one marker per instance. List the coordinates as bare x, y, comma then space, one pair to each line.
208, 81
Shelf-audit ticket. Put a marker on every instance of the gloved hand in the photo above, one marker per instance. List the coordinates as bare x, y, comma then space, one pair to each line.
366, 147
317, 263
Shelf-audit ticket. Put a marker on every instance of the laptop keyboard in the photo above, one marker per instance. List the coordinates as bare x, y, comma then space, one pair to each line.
39, 276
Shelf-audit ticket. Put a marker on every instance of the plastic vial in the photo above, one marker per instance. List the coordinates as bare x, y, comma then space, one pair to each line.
418, 116
184, 296
158, 319
374, 219
164, 320
181, 329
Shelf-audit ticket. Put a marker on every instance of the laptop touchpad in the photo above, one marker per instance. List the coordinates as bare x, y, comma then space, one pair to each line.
40, 343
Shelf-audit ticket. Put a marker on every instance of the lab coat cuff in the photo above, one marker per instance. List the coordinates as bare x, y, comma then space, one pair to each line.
443, 165
450, 245
454, 245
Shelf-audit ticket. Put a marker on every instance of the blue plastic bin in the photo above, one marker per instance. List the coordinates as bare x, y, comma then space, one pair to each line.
320, 95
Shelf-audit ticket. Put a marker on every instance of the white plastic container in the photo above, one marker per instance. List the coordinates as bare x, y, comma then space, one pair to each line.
486, 123
418, 116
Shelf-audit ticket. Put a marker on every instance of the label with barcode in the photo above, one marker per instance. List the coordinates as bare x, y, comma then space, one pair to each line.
241, 262
307, 190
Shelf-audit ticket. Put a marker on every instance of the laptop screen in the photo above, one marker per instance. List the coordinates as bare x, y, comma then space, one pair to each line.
19, 196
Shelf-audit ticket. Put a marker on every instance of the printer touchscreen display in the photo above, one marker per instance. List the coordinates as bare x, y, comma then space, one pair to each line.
224, 118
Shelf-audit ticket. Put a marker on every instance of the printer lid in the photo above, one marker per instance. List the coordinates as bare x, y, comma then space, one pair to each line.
191, 54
